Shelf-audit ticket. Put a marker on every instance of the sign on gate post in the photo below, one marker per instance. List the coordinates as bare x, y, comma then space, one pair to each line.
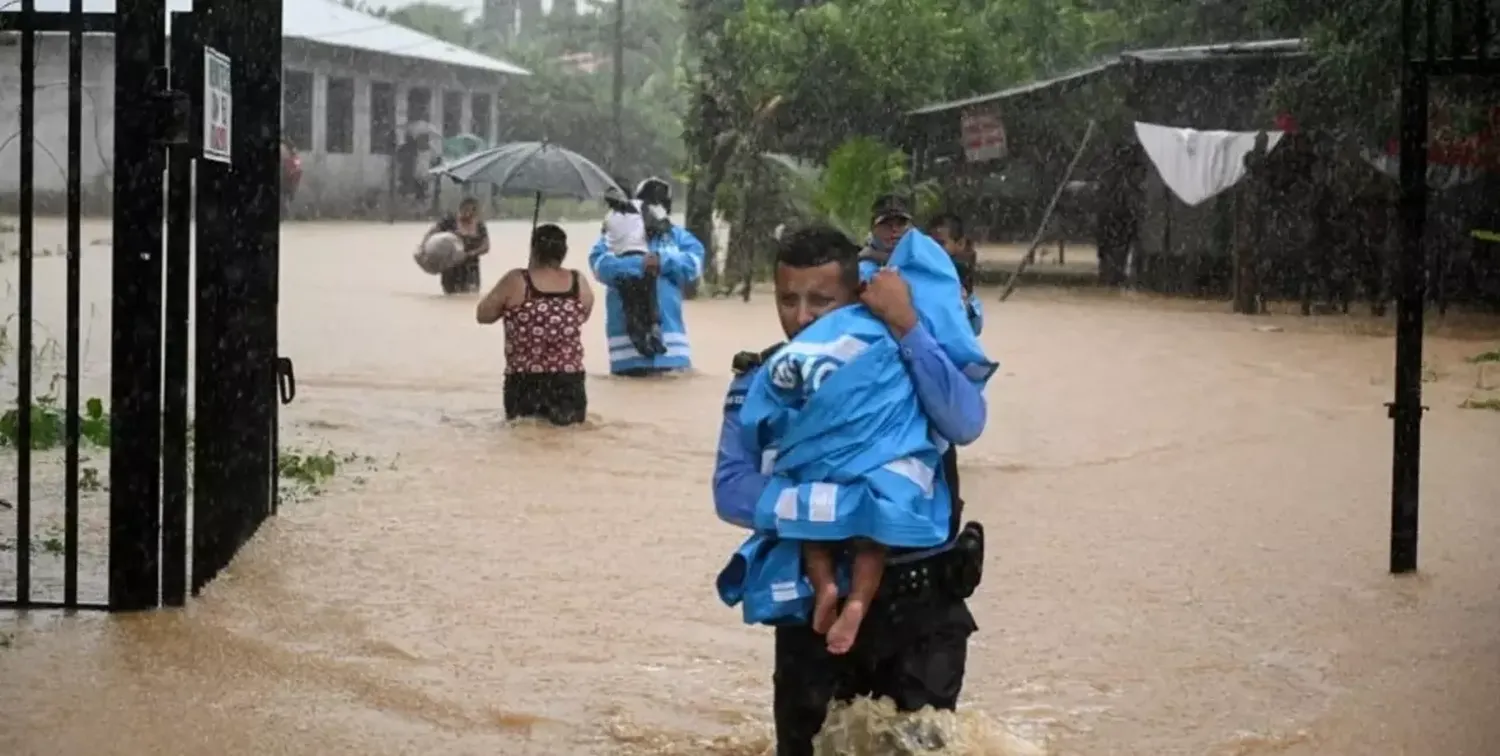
218, 101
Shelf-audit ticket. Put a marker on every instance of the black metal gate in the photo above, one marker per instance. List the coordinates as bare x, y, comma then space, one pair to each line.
196, 145
1448, 38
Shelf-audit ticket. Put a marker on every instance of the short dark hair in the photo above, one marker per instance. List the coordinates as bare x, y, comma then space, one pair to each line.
467, 202
814, 246
549, 244
951, 221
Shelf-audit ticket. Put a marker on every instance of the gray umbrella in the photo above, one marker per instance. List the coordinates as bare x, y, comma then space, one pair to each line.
531, 168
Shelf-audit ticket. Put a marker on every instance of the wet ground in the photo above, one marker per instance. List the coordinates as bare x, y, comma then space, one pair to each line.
1188, 512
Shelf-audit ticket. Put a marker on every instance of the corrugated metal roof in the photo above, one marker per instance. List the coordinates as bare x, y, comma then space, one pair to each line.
1035, 86
328, 22
1271, 48
1267, 48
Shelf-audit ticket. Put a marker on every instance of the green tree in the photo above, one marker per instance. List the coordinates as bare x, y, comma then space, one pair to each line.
1352, 87
563, 101
802, 79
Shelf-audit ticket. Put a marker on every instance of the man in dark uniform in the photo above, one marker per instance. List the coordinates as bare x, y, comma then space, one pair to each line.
914, 643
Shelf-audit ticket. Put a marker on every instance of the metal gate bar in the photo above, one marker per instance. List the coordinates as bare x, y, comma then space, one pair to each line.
28, 23
136, 343
75, 253
25, 311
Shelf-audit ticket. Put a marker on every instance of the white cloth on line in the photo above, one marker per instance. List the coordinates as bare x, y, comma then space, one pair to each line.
1196, 165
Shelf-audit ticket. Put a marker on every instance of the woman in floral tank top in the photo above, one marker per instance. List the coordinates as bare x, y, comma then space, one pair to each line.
544, 307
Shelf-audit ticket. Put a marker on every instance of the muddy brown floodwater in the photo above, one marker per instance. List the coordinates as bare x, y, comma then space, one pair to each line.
1188, 513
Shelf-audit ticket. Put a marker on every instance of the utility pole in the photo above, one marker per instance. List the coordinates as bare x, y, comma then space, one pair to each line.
619, 99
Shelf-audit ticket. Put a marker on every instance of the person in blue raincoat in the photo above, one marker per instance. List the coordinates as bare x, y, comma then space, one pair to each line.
676, 259
915, 641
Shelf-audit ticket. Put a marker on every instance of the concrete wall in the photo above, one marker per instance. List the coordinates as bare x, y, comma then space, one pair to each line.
333, 185
51, 142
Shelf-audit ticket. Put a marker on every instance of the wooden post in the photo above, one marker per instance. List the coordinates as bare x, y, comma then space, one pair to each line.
1252, 217
1036, 240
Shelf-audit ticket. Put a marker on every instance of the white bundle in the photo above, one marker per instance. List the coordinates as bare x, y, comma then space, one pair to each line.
440, 252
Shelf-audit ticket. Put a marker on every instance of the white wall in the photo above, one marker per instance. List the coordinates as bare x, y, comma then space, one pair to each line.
333, 185
51, 143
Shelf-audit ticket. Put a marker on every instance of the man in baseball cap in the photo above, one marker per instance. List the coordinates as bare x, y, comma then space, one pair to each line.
890, 219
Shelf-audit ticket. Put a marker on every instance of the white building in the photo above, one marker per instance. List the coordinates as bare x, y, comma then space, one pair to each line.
350, 80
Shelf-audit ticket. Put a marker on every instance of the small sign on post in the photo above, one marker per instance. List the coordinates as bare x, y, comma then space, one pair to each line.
218, 102
983, 135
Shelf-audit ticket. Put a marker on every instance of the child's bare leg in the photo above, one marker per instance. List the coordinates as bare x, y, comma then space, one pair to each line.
869, 566
817, 562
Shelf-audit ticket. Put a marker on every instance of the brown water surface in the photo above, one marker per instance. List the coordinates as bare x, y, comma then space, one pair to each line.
1188, 513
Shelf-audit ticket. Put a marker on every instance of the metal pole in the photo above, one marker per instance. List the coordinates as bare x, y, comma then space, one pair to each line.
1406, 408
619, 93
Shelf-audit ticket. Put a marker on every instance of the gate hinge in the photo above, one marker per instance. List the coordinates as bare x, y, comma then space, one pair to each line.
171, 109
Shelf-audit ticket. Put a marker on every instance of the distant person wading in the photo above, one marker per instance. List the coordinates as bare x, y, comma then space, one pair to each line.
470, 229
646, 340
544, 307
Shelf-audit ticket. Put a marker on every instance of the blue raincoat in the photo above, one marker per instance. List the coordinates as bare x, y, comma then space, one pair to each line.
852, 455
681, 257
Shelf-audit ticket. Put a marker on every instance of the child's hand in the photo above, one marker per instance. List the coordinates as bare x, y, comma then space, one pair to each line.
652, 262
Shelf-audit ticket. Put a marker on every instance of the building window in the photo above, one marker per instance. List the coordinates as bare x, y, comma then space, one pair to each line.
340, 111
453, 114
296, 108
418, 104
480, 105
382, 118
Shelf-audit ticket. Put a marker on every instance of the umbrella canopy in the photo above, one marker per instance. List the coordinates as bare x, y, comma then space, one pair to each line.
462, 145
539, 168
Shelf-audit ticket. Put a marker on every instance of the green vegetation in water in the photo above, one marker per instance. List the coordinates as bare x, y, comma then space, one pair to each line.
48, 422
89, 480
50, 542
1491, 403
303, 473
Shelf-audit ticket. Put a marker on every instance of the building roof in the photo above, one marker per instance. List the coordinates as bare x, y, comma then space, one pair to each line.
1267, 48
329, 22
1016, 91
1271, 48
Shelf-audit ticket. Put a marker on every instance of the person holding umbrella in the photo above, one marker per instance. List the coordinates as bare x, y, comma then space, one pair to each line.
675, 260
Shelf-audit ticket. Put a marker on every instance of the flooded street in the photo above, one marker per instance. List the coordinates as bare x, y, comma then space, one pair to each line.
1188, 514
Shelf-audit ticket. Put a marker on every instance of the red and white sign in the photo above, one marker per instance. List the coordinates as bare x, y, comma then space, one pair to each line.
983, 135
218, 101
